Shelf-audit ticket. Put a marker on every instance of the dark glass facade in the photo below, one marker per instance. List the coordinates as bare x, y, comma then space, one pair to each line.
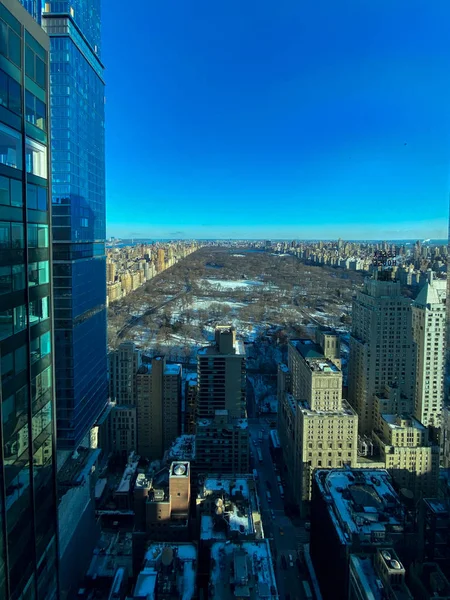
28, 510
78, 197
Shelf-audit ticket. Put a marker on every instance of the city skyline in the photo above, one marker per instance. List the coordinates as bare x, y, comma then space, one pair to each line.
279, 123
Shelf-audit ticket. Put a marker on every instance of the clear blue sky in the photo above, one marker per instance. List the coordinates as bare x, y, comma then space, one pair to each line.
286, 118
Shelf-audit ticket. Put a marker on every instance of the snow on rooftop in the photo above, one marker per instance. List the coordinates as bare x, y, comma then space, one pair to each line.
187, 554
172, 369
130, 470
259, 561
146, 584
100, 487
358, 497
227, 485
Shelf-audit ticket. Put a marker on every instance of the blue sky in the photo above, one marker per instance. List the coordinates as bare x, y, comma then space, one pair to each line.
294, 118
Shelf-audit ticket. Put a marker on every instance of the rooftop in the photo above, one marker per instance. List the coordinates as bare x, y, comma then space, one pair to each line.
369, 578
174, 369
169, 570
113, 550
130, 470
313, 355
239, 350
362, 504
247, 566
345, 410
183, 448
403, 421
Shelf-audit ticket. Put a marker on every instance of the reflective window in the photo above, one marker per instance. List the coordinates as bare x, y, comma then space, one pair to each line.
36, 158
5, 280
32, 236
16, 192
29, 62
7, 367
35, 110
10, 96
18, 277
6, 323
20, 359
17, 236
5, 234
41, 420
40, 72
13, 47
45, 344
31, 196
20, 318
44, 272
42, 236
40, 347
39, 310
4, 189
42, 198
38, 273
10, 147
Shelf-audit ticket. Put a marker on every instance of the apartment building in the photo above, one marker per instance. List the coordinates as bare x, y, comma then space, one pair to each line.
380, 345
221, 420
158, 404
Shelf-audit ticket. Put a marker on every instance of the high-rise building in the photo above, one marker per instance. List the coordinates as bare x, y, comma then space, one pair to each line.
222, 442
429, 323
354, 511
123, 366
34, 7
78, 215
28, 501
158, 405
380, 346
317, 427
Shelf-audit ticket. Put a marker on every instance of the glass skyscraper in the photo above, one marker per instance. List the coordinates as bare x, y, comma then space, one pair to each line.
34, 7
78, 197
28, 511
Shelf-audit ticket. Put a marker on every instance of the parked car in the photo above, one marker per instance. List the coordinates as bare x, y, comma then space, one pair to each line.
283, 561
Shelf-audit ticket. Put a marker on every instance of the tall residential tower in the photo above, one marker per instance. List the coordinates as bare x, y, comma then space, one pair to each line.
28, 526
78, 196
222, 442
380, 346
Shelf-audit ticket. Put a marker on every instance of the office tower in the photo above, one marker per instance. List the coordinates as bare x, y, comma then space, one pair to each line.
429, 324
158, 405
34, 7
380, 346
222, 442
353, 512
28, 513
78, 215
123, 366
317, 427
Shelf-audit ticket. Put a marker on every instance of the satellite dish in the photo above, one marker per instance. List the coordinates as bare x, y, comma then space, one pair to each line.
179, 470
395, 564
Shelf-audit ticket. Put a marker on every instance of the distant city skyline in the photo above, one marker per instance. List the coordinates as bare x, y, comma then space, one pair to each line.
433, 230
297, 120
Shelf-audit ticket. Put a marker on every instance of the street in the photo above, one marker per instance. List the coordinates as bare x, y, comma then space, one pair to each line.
277, 526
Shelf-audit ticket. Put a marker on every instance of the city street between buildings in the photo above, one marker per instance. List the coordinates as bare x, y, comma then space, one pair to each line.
286, 538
